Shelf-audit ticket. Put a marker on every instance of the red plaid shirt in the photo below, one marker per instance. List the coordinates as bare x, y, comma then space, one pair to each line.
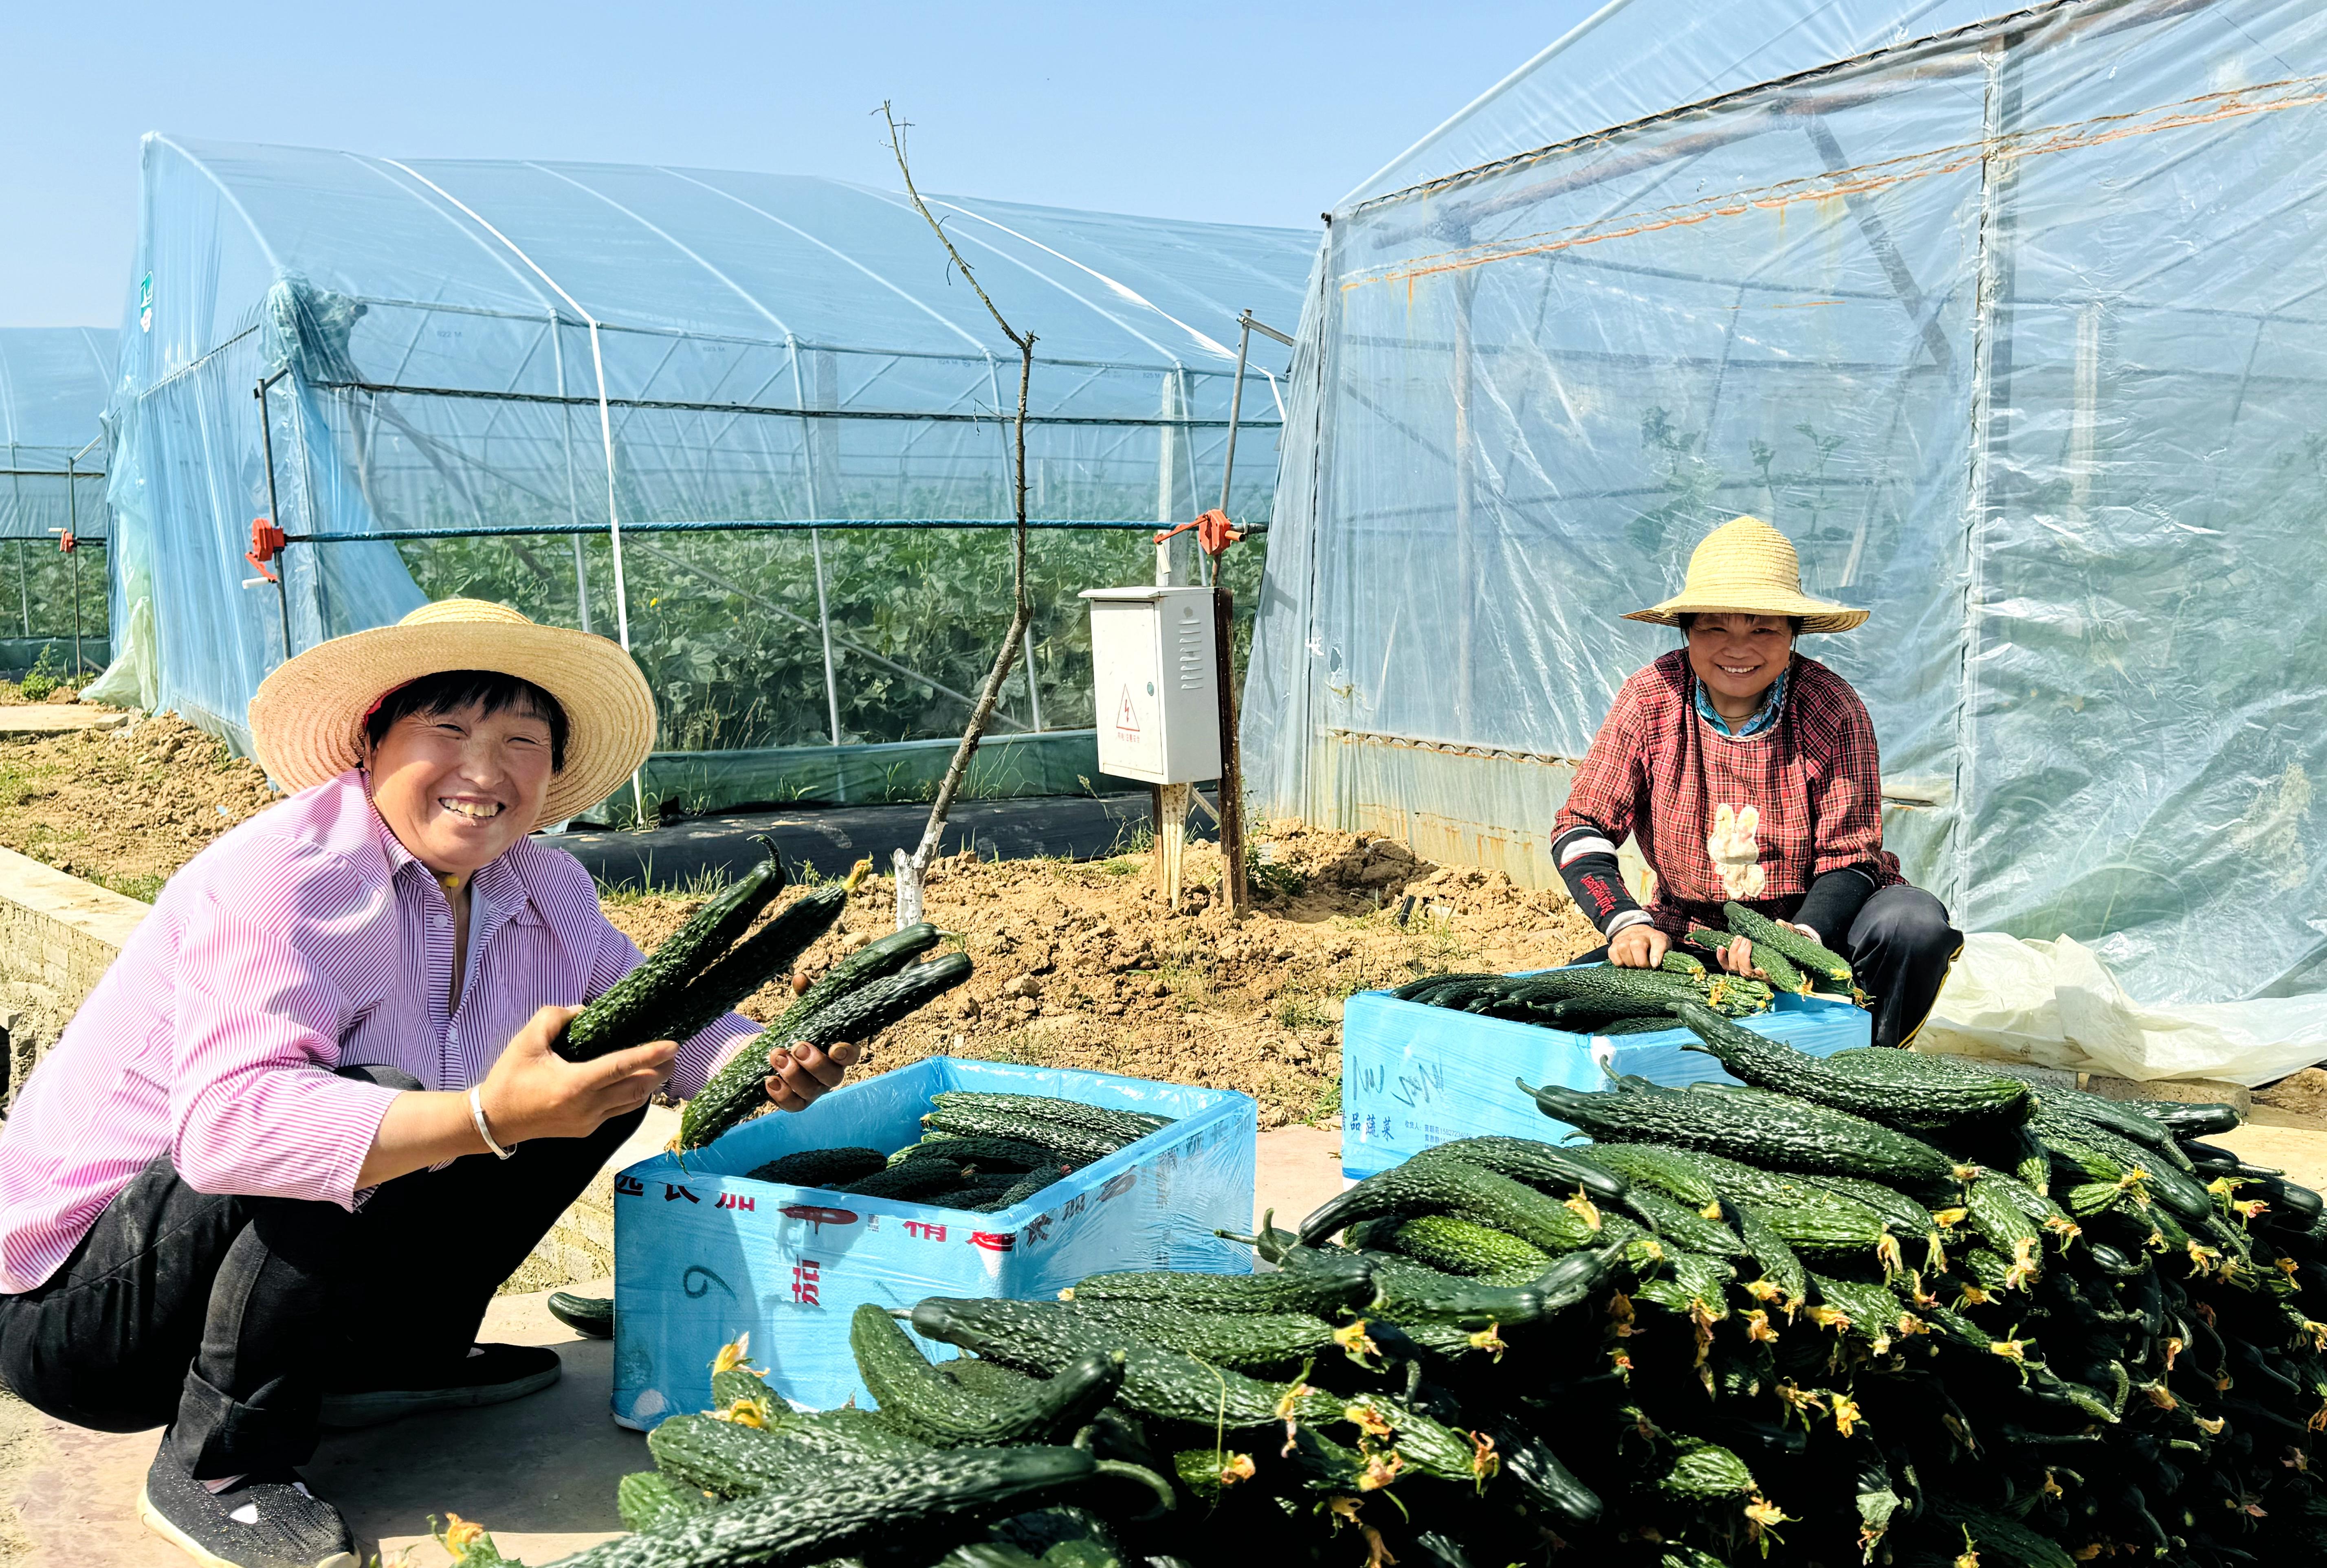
1801, 798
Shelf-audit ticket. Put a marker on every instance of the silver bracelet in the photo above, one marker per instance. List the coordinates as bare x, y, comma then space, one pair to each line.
477, 1114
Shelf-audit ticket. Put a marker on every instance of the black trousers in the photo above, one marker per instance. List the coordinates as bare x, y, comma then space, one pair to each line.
1900, 948
222, 1317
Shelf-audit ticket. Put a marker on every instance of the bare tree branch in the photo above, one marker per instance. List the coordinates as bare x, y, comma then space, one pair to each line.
912, 870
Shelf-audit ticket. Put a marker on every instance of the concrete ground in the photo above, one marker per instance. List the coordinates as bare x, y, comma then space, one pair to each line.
539, 1472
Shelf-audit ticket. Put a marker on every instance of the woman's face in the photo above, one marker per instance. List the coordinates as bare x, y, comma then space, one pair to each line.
1740, 657
458, 787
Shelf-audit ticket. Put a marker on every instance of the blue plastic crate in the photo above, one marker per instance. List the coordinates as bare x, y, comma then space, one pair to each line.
702, 1252
1413, 1076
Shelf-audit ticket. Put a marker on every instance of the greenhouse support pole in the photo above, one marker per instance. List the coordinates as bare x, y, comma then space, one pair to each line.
573, 502
816, 541
23, 590
1033, 691
1465, 552
824, 626
274, 516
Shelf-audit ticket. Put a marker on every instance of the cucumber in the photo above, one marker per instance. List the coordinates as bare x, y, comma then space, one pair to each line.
1345, 1283
1162, 1384
1772, 962
1018, 1191
1014, 1155
1530, 1466
649, 1498
1683, 1226
1781, 1267
633, 1010
765, 954
1769, 1129
876, 960
1810, 957
915, 1182
1703, 1472
918, 1402
1047, 1110
930, 1502
1240, 1342
1454, 1186
591, 1316
737, 1090
1073, 1145
1535, 1162
990, 1379
724, 1457
1905, 1100
1463, 1246
819, 1167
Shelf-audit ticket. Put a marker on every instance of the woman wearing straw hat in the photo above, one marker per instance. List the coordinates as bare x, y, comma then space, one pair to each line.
309, 1120
1749, 772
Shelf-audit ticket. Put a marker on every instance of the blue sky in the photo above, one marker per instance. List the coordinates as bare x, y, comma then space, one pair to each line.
1253, 113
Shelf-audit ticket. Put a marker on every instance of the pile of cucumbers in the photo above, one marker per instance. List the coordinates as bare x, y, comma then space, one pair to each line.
1878, 1308
705, 971
978, 1151
1607, 999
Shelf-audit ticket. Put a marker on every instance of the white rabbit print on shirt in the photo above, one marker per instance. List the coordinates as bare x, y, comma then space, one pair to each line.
1736, 854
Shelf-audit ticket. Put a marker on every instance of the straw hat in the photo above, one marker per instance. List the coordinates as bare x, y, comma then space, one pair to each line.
307, 721
1746, 567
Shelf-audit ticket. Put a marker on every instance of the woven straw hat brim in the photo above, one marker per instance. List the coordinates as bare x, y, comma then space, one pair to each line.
1818, 615
1746, 567
306, 722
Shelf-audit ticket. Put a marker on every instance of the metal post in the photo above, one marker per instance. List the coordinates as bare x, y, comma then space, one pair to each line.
24, 591
572, 503
266, 441
824, 624
72, 532
1033, 687
815, 536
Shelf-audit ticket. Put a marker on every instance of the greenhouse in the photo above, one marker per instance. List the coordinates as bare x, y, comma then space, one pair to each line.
53, 385
746, 422
2011, 320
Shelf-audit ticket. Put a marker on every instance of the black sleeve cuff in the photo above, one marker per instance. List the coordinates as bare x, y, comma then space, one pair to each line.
1587, 864
1833, 903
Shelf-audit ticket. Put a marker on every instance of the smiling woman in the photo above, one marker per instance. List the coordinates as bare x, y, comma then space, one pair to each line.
324, 1061
1749, 773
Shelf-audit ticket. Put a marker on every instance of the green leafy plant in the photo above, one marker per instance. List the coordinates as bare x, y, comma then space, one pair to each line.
40, 681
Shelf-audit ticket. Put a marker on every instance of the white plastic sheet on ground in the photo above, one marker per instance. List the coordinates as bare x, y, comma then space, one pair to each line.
2054, 1004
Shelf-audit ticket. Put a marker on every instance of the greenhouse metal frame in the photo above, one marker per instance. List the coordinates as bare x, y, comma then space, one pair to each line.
2007, 317
53, 386
647, 369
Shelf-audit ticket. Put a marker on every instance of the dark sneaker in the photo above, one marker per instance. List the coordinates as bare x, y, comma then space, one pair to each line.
262, 1521
488, 1375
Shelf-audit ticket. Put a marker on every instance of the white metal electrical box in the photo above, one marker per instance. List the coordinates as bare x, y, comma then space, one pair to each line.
1156, 683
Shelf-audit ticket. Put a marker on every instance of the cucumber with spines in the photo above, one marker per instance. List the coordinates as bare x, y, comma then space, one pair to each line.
921, 1403
636, 1008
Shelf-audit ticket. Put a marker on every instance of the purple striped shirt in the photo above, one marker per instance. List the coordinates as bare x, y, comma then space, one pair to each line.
307, 939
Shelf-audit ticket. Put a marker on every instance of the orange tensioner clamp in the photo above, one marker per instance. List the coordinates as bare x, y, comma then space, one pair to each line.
266, 542
1214, 532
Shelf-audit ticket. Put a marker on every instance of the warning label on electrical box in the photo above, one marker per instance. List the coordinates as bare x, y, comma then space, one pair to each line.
1126, 723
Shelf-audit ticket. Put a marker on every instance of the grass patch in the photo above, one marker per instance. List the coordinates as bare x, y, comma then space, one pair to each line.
702, 884
145, 888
